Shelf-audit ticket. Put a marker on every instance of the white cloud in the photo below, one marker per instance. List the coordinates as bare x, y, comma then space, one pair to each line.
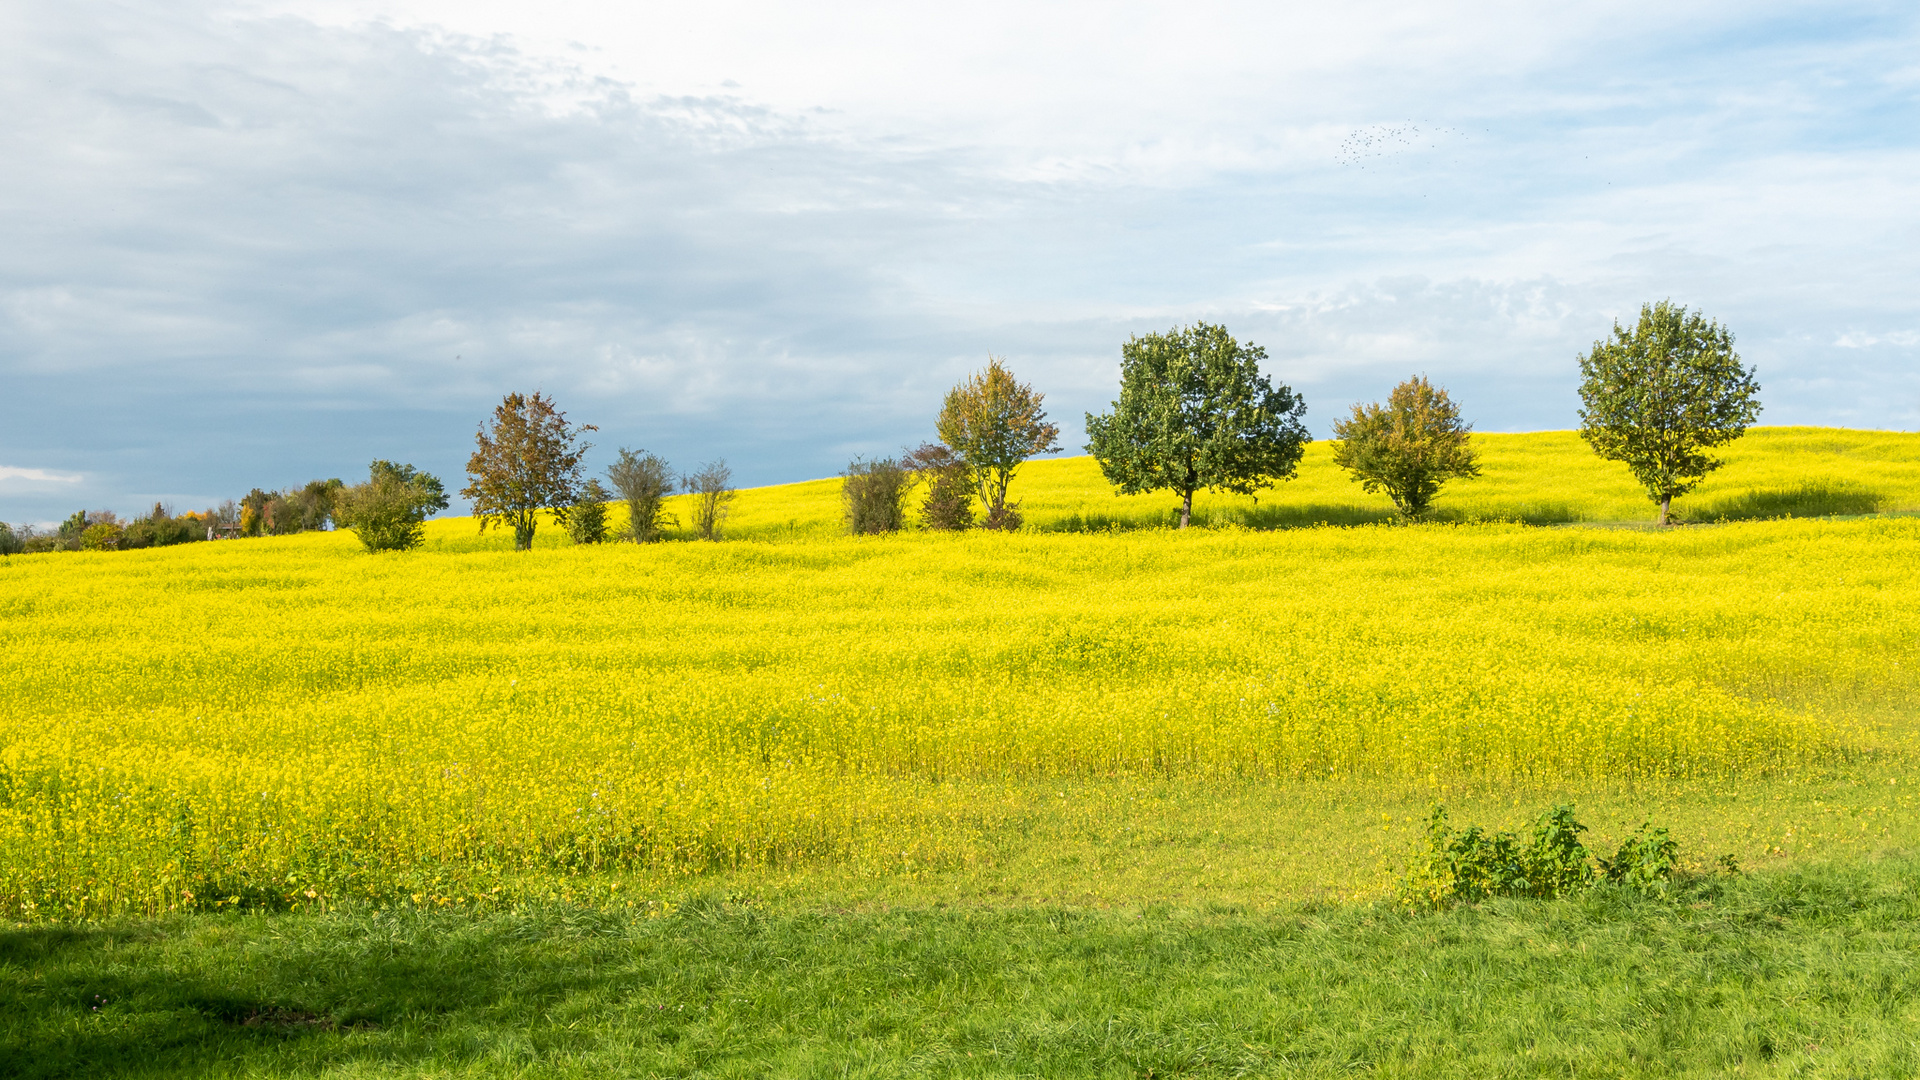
1854, 339
14, 475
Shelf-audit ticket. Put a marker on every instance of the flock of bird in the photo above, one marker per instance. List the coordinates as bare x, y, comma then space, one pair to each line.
1385, 140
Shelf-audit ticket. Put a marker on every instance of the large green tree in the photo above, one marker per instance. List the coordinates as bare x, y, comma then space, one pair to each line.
525, 461
1407, 448
1661, 395
1195, 412
993, 422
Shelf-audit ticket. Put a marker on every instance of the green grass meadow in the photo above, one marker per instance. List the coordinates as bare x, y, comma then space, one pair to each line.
1804, 973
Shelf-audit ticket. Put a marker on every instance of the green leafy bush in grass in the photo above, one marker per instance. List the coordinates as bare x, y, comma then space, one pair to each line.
1469, 865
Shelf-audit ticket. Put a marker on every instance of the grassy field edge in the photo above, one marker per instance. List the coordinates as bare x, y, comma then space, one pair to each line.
1800, 971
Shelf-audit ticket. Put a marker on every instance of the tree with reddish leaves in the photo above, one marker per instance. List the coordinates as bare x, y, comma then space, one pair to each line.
527, 460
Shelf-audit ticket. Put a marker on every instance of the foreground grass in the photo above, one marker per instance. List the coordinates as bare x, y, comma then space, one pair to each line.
1809, 972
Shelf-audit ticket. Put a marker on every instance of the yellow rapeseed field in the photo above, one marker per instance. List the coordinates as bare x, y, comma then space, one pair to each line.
295, 721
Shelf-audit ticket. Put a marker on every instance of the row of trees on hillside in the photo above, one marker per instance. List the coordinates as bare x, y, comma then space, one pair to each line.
528, 459
1194, 413
103, 530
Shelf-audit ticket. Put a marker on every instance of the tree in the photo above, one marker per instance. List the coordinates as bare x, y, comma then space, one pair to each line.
1658, 397
1407, 449
71, 529
161, 529
586, 519
874, 496
101, 536
528, 462
712, 490
1195, 412
312, 505
949, 501
253, 512
644, 480
993, 423
11, 542
388, 512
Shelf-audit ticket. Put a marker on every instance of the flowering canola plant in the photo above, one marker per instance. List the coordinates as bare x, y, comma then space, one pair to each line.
295, 721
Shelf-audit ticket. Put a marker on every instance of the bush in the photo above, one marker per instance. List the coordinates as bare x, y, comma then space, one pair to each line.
101, 536
388, 512
712, 490
161, 529
11, 542
1471, 865
949, 501
67, 537
644, 480
875, 496
1645, 860
586, 519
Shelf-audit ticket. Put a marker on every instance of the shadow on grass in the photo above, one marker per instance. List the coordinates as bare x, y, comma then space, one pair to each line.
1299, 516
184, 995
1729, 975
1815, 498
1310, 515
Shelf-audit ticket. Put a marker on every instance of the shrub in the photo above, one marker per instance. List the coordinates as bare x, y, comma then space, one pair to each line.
586, 519
161, 529
875, 496
1645, 860
644, 480
12, 542
1472, 864
67, 536
1004, 517
712, 490
949, 501
101, 536
388, 511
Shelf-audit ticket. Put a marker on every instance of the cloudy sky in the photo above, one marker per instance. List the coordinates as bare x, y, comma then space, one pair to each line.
250, 244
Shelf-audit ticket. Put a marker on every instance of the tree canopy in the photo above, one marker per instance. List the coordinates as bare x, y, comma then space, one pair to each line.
993, 422
526, 460
1408, 448
1195, 412
1660, 396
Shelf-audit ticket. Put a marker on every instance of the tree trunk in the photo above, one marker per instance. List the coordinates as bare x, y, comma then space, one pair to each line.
1186, 508
1666, 503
